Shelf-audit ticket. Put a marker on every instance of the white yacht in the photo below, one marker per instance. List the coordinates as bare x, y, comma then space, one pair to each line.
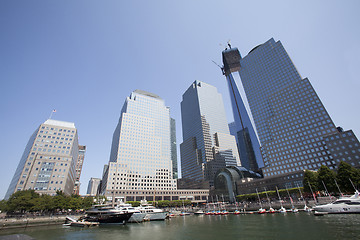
342, 205
137, 216
151, 213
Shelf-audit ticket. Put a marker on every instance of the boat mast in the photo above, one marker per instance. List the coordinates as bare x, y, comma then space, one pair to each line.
292, 204
326, 190
277, 190
258, 198
302, 195
312, 192
338, 187
267, 197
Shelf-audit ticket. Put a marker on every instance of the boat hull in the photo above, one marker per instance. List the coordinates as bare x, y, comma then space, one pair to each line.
155, 216
137, 217
113, 218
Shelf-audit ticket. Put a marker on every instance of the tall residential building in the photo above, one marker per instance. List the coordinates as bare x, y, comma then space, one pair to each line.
241, 128
78, 168
207, 144
93, 186
293, 126
140, 159
48, 162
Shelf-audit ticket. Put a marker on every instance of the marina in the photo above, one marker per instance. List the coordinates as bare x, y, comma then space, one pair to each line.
246, 226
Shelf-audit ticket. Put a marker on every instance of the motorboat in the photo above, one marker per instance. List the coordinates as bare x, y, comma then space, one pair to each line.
151, 213
107, 214
342, 205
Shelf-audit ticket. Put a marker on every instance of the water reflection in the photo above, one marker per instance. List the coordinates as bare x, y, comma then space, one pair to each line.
251, 226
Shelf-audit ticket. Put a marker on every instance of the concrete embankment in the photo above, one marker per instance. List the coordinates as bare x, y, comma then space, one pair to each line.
8, 223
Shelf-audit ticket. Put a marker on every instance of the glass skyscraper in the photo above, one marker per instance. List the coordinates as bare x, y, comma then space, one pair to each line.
49, 160
140, 158
207, 144
241, 128
292, 124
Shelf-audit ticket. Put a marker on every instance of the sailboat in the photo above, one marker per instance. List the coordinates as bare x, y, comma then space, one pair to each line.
282, 209
261, 210
236, 212
271, 210
184, 213
293, 209
223, 212
306, 208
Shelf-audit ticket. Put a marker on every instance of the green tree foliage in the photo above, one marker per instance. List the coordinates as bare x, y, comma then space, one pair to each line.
310, 178
22, 201
3, 206
326, 177
87, 203
345, 173
30, 201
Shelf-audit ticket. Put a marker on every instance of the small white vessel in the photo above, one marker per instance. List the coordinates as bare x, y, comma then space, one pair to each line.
342, 205
282, 210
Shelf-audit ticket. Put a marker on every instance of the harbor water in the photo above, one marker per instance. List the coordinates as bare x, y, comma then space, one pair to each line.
250, 226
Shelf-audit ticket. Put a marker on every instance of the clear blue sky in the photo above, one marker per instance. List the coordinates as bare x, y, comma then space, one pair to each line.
83, 58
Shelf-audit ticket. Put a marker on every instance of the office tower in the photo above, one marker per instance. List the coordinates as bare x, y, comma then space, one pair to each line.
48, 162
140, 158
241, 128
173, 148
207, 144
93, 186
78, 168
293, 126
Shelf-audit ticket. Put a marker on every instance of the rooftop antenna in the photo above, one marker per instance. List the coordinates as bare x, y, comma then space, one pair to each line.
53, 111
228, 43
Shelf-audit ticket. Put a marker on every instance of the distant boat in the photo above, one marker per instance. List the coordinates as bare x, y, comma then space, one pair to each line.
342, 205
261, 210
293, 209
282, 209
199, 212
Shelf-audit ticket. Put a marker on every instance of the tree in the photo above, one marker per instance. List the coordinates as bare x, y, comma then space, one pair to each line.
310, 177
344, 173
3, 206
326, 177
87, 202
22, 201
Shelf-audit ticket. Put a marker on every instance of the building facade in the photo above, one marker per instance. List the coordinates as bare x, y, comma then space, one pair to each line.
292, 124
93, 186
207, 144
78, 168
48, 162
140, 159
